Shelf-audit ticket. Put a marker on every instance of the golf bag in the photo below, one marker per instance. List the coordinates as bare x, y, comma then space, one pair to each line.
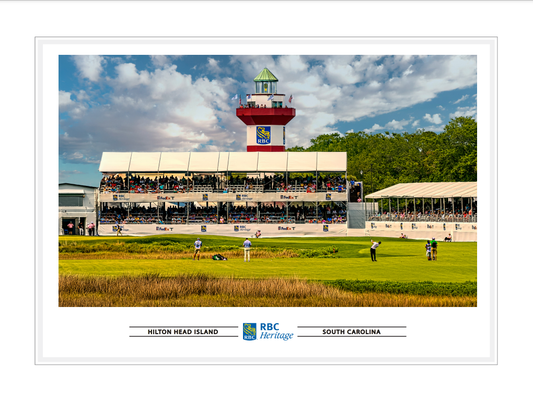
219, 257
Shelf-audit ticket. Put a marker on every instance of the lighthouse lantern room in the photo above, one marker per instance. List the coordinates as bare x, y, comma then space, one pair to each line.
265, 114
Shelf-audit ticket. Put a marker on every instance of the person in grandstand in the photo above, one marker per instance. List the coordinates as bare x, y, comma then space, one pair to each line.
247, 245
434, 249
197, 247
373, 250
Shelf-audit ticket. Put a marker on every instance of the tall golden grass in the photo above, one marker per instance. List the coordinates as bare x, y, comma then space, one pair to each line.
205, 291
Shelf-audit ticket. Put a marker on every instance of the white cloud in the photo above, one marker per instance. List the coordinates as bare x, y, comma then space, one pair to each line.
375, 127
464, 112
464, 97
160, 61
89, 67
435, 118
212, 65
397, 125
198, 114
440, 107
65, 102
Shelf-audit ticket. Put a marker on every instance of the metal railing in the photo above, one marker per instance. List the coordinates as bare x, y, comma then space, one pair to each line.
443, 218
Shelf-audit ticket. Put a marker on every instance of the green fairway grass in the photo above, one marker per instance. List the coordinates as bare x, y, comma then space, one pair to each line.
400, 260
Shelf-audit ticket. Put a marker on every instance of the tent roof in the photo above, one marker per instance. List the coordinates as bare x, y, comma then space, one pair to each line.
212, 162
428, 190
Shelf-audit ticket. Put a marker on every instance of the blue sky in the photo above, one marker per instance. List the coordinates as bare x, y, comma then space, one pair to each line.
183, 103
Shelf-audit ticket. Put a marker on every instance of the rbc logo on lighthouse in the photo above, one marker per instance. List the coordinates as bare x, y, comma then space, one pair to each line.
263, 135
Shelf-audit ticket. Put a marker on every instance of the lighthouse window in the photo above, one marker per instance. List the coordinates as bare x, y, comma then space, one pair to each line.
265, 87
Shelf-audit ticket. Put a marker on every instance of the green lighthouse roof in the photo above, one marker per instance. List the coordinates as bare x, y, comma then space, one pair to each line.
264, 76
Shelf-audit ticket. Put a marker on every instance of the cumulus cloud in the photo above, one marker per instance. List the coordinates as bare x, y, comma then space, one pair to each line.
375, 127
160, 61
161, 108
89, 67
435, 118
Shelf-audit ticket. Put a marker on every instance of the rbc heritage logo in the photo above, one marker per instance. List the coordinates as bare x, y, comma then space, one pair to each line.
237, 197
263, 135
204, 197
235, 228
249, 331
325, 228
328, 196
115, 197
204, 229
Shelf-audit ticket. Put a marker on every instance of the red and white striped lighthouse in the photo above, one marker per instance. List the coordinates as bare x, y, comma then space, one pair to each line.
265, 115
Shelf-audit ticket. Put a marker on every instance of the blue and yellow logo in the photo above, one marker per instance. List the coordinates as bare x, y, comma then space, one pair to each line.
249, 331
237, 197
115, 197
328, 196
235, 228
325, 228
204, 229
263, 135
205, 197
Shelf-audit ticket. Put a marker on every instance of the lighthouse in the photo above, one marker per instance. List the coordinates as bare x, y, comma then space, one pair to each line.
265, 114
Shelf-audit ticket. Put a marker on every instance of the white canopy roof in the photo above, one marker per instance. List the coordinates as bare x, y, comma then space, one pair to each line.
428, 190
212, 162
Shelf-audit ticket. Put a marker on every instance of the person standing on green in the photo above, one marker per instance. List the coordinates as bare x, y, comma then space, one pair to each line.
434, 248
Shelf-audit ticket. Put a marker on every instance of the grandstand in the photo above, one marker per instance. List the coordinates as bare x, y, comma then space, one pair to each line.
224, 193
424, 210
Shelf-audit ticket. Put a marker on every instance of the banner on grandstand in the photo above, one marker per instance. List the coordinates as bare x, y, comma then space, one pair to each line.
238, 230
226, 197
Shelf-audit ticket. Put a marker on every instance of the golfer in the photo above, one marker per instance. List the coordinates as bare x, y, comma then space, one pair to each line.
247, 245
197, 247
119, 230
428, 250
434, 248
373, 250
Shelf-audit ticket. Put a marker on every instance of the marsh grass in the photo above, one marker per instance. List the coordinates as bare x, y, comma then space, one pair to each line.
200, 290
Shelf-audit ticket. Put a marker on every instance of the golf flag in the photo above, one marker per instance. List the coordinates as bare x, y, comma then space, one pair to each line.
290, 99
235, 97
270, 97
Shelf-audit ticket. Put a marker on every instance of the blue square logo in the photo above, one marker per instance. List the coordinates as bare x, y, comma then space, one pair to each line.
249, 331
235, 228
204, 229
325, 228
237, 197
205, 197
328, 196
263, 135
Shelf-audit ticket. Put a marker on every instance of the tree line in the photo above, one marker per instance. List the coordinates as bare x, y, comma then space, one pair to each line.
387, 158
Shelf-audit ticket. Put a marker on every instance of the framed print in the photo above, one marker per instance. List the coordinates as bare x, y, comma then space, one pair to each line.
266, 200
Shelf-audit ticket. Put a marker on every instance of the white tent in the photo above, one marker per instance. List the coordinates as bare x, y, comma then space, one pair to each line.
428, 190
221, 162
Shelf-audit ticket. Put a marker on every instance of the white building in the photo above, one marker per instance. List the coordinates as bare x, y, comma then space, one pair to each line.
77, 203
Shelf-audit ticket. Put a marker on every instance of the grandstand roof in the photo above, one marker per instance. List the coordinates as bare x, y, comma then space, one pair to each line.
212, 162
428, 190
